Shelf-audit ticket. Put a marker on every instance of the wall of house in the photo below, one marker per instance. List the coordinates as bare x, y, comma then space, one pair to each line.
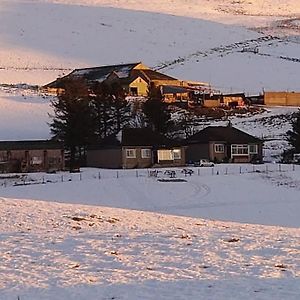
195, 152
250, 157
159, 82
171, 98
230, 99
217, 156
54, 160
211, 103
240, 159
141, 85
104, 158
33, 160
282, 98
138, 161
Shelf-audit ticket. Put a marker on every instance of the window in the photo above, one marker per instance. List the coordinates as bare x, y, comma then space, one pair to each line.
239, 150
134, 91
253, 149
130, 153
146, 153
164, 155
219, 148
37, 160
176, 154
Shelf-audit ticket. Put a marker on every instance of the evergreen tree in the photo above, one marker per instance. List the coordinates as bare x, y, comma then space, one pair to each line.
120, 106
294, 134
156, 111
112, 110
72, 121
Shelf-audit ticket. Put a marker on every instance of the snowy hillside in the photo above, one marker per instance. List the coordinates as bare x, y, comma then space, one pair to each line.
41, 40
226, 11
23, 115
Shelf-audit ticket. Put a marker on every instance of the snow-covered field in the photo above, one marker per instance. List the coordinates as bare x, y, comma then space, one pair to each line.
260, 194
73, 251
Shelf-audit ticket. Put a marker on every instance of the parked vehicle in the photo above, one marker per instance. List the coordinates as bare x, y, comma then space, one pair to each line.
205, 163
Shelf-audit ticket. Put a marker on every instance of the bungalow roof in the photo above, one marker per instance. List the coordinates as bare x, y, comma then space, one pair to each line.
227, 134
135, 137
30, 145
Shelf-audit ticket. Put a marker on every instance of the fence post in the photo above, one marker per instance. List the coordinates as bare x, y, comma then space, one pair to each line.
80, 176
293, 167
62, 178
240, 170
99, 176
212, 171
43, 179
226, 171
137, 173
117, 174
198, 172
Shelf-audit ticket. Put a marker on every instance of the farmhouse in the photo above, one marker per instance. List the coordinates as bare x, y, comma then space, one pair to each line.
136, 148
223, 144
31, 156
135, 78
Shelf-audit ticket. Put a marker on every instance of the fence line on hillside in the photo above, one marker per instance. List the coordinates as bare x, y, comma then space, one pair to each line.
224, 170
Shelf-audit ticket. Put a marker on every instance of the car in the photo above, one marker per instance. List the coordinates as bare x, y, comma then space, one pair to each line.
205, 163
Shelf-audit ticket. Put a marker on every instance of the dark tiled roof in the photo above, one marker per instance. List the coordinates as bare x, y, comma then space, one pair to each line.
96, 73
124, 72
132, 137
106, 143
242, 95
171, 89
144, 137
30, 145
223, 134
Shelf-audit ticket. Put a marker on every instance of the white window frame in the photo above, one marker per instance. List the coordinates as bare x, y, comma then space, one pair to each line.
255, 147
239, 150
219, 146
130, 153
146, 153
176, 154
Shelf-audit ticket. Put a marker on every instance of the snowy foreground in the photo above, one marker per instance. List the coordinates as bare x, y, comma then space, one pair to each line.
73, 251
63, 251
69, 250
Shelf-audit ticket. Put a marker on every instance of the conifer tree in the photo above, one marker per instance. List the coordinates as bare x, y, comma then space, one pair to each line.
72, 121
156, 111
294, 134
